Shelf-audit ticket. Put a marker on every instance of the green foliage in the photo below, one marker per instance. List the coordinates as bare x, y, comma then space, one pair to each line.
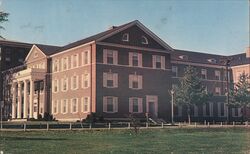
3, 18
191, 92
240, 93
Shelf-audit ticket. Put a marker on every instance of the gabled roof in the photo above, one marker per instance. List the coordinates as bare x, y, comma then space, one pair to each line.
48, 49
110, 32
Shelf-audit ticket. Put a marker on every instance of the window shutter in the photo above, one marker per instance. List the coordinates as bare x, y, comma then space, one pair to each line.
115, 103
104, 104
154, 61
115, 57
140, 59
130, 54
115, 78
77, 82
105, 79
140, 81
162, 62
72, 78
130, 81
105, 56
130, 105
88, 78
140, 106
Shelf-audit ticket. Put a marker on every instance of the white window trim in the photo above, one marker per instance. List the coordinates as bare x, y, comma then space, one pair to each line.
140, 81
77, 60
83, 57
218, 88
72, 82
62, 106
211, 112
127, 37
83, 80
205, 71
55, 81
219, 109
67, 63
143, 37
131, 59
72, 105
140, 105
67, 84
55, 103
115, 104
217, 73
162, 61
105, 56
83, 104
56, 63
114, 77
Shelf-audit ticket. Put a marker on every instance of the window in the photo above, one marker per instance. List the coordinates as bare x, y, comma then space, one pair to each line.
64, 84
85, 104
85, 80
135, 81
144, 40
110, 80
208, 109
74, 82
212, 60
236, 112
110, 57
74, 105
125, 37
184, 57
217, 75
65, 63
158, 61
175, 71
55, 106
64, 106
110, 104
55, 86
221, 109
85, 57
135, 105
203, 73
74, 61
135, 59
217, 91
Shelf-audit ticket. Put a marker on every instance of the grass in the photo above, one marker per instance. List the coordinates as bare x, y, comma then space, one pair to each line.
220, 140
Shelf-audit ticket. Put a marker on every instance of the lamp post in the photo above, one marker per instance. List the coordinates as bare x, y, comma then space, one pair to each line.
172, 106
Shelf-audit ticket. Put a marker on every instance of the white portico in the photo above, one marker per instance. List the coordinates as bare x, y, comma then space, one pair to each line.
27, 101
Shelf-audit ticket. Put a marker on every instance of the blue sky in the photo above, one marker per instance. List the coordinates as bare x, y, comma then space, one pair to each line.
213, 26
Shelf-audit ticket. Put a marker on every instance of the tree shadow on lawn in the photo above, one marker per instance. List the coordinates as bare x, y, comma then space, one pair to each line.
32, 139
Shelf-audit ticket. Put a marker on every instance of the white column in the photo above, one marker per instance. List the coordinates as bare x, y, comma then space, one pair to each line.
19, 103
14, 101
25, 101
31, 98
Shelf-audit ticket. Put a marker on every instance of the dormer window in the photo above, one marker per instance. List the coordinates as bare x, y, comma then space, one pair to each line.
184, 57
212, 60
125, 37
144, 40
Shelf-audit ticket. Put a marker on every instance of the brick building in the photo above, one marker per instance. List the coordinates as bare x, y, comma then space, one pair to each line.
126, 69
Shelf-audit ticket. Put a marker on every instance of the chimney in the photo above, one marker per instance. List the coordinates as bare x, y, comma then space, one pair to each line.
248, 52
112, 27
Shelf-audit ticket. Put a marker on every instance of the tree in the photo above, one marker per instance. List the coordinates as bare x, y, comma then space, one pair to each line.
191, 92
3, 18
240, 93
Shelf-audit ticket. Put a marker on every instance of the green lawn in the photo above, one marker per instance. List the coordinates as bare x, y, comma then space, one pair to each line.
125, 141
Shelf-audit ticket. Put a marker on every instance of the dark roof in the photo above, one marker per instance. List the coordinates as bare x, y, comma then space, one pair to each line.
48, 49
93, 38
196, 57
239, 59
15, 44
